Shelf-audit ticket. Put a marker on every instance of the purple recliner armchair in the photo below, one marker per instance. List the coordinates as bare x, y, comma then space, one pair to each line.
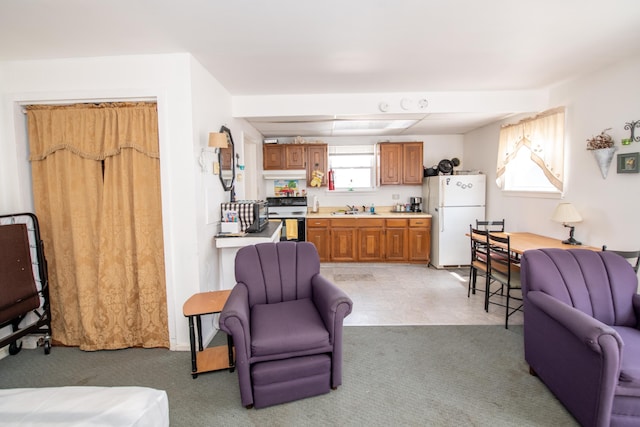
286, 321
581, 337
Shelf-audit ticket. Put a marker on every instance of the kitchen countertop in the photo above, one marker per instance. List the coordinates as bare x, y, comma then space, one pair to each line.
382, 212
266, 235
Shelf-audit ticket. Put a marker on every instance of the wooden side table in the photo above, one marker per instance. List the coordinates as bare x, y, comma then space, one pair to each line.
212, 358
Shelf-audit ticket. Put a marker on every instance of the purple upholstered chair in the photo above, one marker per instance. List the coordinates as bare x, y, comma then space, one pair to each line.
581, 337
286, 323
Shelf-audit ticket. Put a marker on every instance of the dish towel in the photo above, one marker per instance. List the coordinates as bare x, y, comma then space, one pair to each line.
292, 228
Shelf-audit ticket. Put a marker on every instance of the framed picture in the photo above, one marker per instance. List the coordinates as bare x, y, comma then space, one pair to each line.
628, 162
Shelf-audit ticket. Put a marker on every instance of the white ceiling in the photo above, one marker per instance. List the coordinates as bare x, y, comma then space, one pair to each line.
278, 47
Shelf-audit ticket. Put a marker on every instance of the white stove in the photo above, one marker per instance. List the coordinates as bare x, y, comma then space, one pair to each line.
292, 211
287, 207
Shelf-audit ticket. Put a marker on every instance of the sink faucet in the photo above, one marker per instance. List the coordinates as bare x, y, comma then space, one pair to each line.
352, 208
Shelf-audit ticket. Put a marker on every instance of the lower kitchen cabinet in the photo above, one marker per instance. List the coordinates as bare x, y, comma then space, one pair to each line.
420, 239
343, 240
371, 239
318, 234
396, 243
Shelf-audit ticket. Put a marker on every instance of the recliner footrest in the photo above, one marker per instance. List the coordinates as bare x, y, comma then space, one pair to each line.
286, 380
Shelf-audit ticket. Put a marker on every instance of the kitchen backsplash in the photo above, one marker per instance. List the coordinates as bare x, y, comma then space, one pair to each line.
286, 187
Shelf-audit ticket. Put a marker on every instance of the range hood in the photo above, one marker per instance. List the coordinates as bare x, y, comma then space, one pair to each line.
285, 174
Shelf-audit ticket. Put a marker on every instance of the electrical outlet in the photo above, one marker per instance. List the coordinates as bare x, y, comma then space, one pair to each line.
216, 168
395, 197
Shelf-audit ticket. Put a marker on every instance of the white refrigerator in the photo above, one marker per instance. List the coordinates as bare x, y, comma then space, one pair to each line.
454, 201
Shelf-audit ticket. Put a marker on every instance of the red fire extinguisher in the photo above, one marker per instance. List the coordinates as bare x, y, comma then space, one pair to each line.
330, 179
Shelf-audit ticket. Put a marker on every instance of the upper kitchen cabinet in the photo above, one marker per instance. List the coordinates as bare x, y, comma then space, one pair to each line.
401, 163
317, 160
412, 163
284, 156
390, 164
294, 157
272, 157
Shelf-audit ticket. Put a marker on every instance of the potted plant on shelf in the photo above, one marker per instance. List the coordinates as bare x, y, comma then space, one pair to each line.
602, 147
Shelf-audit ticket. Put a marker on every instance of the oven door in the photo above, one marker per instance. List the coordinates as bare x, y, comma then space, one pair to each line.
293, 229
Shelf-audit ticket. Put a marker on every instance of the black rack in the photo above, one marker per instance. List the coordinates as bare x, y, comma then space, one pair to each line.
23, 290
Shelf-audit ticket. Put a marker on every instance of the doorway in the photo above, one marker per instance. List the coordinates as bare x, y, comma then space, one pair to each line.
96, 187
250, 168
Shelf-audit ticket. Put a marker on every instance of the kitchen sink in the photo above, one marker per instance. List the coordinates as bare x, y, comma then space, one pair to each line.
352, 213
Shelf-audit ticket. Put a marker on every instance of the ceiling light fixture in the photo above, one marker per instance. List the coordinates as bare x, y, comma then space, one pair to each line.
345, 125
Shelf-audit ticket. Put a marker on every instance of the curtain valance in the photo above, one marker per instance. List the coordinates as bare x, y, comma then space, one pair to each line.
93, 131
544, 136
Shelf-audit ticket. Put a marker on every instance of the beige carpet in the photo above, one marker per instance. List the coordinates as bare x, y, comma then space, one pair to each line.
399, 375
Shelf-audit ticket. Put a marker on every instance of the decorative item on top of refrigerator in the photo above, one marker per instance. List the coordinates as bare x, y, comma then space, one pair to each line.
455, 202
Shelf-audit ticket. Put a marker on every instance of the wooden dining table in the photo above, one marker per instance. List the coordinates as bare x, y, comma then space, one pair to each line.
523, 241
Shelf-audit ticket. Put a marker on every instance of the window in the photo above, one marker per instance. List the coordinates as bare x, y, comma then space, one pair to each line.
522, 174
353, 167
531, 154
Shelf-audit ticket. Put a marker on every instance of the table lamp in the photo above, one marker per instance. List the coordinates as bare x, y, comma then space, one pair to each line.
566, 214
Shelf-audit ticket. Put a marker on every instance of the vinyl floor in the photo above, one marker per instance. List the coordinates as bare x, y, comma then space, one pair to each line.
413, 294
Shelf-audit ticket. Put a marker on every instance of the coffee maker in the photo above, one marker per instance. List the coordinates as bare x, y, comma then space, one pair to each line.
415, 204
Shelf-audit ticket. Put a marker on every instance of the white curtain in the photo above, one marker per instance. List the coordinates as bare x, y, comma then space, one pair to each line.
544, 136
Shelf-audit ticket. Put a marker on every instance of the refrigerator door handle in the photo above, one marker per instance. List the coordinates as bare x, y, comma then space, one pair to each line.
442, 220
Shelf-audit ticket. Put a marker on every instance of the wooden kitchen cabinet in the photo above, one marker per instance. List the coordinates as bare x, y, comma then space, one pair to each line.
390, 164
318, 234
396, 243
294, 156
370, 239
401, 163
412, 163
317, 160
272, 157
284, 156
420, 239
343, 240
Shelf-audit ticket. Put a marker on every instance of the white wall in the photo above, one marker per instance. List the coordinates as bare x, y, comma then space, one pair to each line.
609, 207
190, 104
211, 109
436, 148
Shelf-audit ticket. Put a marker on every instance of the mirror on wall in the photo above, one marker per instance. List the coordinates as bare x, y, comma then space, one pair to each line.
227, 160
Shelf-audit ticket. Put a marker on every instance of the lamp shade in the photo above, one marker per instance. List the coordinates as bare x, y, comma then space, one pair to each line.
566, 213
218, 140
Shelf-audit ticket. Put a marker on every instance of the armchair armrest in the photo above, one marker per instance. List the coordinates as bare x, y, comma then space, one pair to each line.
332, 303
584, 327
576, 356
235, 320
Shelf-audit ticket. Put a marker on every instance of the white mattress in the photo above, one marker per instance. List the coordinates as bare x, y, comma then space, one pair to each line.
84, 406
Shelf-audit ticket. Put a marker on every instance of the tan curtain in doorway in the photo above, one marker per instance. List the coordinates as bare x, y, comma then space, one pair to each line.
96, 184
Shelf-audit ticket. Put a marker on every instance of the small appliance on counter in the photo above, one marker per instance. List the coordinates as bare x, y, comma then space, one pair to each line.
252, 215
415, 204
